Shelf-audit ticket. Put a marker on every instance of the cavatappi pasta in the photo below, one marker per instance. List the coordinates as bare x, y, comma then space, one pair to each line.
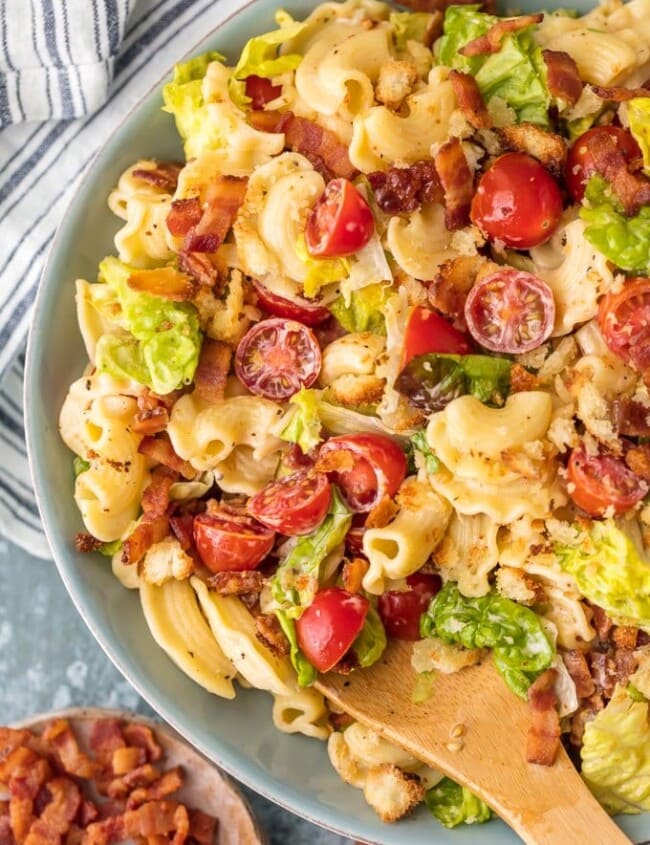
338, 391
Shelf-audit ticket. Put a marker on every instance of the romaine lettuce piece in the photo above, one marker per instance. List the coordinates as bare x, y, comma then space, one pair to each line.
453, 804
409, 26
320, 271
260, 58
306, 673
610, 572
420, 445
365, 312
371, 641
638, 114
79, 465
616, 755
521, 648
183, 97
516, 73
304, 426
161, 344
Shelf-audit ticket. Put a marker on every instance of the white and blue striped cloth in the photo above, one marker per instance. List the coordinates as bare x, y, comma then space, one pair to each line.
70, 70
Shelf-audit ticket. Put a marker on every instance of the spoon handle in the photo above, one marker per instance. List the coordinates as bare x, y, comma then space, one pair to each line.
475, 730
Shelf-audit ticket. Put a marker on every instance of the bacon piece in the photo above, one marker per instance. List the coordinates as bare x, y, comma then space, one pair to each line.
143, 775
223, 198
202, 269
470, 99
143, 737
562, 77
625, 664
6, 833
168, 783
618, 93
236, 583
632, 417
182, 526
586, 713
212, 371
601, 622
163, 175
448, 291
625, 637
547, 147
154, 818
126, 759
457, 183
603, 671
153, 413
183, 215
638, 460
404, 189
11, 738
105, 739
544, 733
155, 497
160, 449
27, 774
353, 573
269, 632
59, 737
203, 827
85, 542
88, 812
165, 282
491, 41
577, 666
632, 190
145, 535
54, 821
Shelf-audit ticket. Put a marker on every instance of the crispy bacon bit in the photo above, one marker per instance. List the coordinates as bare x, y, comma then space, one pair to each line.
491, 41
167, 784
632, 417
562, 77
631, 189
382, 513
145, 535
105, 739
183, 215
457, 183
160, 449
638, 460
155, 497
601, 622
521, 380
271, 635
182, 526
202, 827
165, 282
340, 721
223, 198
547, 147
577, 666
143, 775
212, 371
58, 734
11, 738
586, 713
236, 583
126, 759
164, 175
6, 834
619, 94
85, 542
544, 732
202, 269
470, 99
404, 189
153, 819
448, 291
25, 774
143, 737
353, 573
58, 814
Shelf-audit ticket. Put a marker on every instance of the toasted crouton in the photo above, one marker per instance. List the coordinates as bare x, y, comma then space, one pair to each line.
547, 147
391, 792
166, 560
396, 81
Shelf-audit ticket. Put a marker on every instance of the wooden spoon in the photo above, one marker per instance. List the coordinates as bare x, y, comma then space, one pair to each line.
545, 805
204, 787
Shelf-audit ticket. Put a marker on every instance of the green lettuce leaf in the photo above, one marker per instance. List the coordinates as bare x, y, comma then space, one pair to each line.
420, 445
432, 380
616, 755
365, 312
409, 26
260, 58
521, 649
306, 673
320, 271
638, 114
79, 465
109, 549
610, 572
371, 642
453, 804
296, 579
161, 349
516, 73
304, 426
624, 240
183, 97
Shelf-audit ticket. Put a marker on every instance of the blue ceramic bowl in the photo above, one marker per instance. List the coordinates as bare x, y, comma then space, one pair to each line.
238, 735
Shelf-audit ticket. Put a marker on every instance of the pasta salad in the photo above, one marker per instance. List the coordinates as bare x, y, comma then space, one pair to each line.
372, 362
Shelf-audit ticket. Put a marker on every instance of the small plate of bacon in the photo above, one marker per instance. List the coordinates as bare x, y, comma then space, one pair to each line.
97, 777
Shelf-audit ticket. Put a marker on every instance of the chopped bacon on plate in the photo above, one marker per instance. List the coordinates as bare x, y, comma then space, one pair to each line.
491, 41
404, 189
457, 183
223, 198
470, 99
212, 371
562, 77
164, 175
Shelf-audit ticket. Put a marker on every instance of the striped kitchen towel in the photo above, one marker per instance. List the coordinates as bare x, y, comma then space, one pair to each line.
70, 70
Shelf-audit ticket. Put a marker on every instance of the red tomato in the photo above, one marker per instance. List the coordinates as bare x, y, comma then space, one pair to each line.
517, 201
400, 610
329, 626
510, 311
231, 543
427, 331
277, 357
370, 466
624, 320
580, 163
600, 482
261, 91
294, 504
300, 309
340, 223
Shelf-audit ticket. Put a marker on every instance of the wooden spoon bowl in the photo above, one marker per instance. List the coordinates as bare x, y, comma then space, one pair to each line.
204, 787
474, 729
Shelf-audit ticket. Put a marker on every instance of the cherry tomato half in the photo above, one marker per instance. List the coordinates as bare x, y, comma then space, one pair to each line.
624, 320
300, 309
366, 467
580, 163
400, 610
510, 311
231, 543
600, 482
340, 223
517, 201
427, 331
261, 91
277, 357
329, 626
294, 504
